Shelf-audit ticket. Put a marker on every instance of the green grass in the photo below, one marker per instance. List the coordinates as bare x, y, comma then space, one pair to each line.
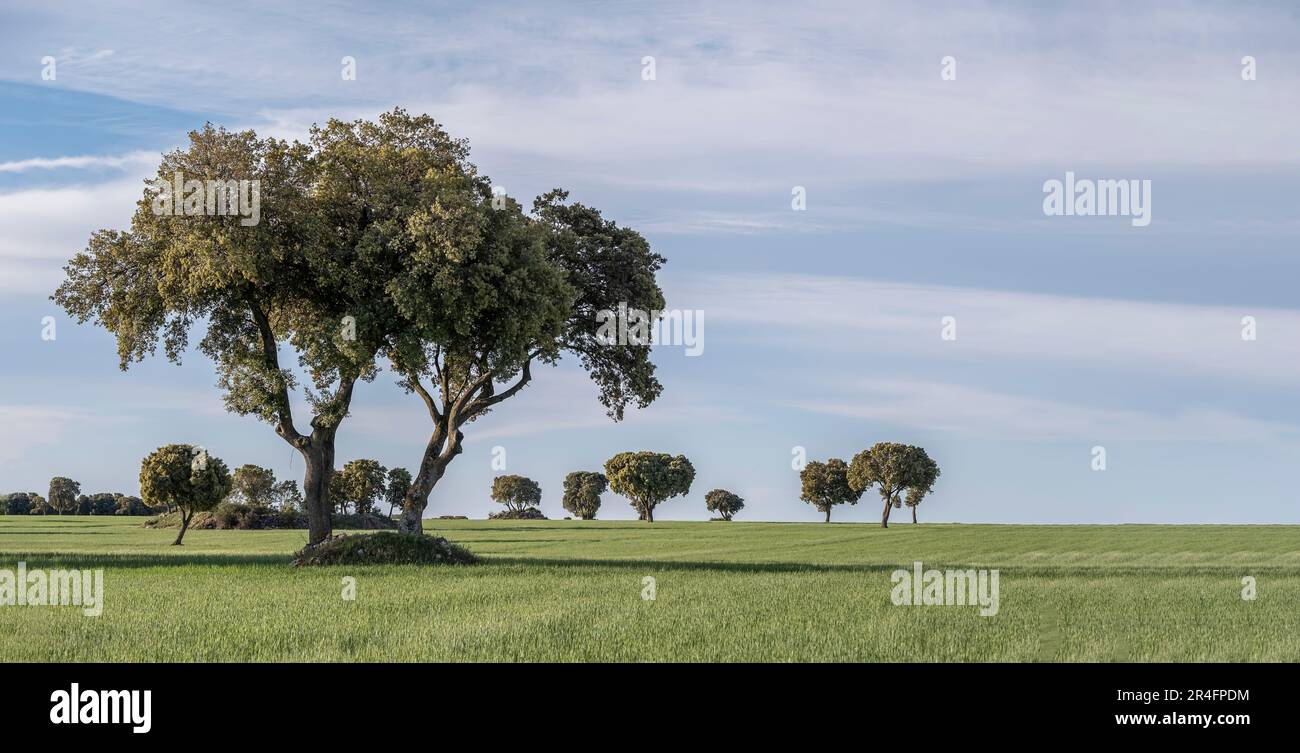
571, 590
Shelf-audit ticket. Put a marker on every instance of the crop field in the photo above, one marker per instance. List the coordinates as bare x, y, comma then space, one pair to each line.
578, 591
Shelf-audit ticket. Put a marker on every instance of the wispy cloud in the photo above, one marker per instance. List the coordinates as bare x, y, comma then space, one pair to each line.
109, 161
992, 415
838, 314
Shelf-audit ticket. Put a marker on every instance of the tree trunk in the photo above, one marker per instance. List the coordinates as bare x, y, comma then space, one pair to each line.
884, 516
913, 514
828, 513
649, 514
318, 457
185, 524
432, 467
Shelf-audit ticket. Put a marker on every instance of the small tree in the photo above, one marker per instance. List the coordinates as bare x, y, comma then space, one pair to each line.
399, 483
63, 494
724, 503
360, 483
922, 485
893, 468
186, 477
516, 492
826, 485
649, 478
253, 485
582, 490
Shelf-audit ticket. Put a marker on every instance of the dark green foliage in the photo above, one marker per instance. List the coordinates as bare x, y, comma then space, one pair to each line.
131, 506
724, 503
18, 503
894, 469
185, 477
237, 515
516, 492
253, 485
360, 484
582, 490
399, 483
63, 495
649, 478
384, 548
527, 513
825, 485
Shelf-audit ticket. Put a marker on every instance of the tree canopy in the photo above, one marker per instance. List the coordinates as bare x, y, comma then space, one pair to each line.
185, 477
825, 485
894, 468
649, 478
724, 503
582, 490
516, 492
360, 483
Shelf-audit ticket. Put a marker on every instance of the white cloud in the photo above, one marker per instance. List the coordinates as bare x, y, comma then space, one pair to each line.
987, 414
745, 93
45, 227
109, 161
838, 314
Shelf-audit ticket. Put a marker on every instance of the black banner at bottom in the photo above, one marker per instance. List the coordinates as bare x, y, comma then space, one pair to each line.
165, 704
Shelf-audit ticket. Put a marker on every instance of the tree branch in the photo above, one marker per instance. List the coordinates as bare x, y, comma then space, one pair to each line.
271, 361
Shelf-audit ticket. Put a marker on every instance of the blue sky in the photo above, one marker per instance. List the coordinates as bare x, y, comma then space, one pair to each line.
822, 327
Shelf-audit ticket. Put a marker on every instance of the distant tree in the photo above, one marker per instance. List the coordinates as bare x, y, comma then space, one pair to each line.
63, 494
359, 484
18, 503
649, 478
103, 503
582, 490
83, 506
127, 505
923, 484
724, 503
893, 468
399, 483
253, 485
516, 492
826, 485
287, 496
39, 505
185, 477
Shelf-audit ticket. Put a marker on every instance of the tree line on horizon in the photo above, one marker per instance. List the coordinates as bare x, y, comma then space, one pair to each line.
188, 479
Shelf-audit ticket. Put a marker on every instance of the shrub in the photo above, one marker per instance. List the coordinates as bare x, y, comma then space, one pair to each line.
528, 513
384, 548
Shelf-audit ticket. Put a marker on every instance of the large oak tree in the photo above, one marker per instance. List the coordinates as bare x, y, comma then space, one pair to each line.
340, 218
